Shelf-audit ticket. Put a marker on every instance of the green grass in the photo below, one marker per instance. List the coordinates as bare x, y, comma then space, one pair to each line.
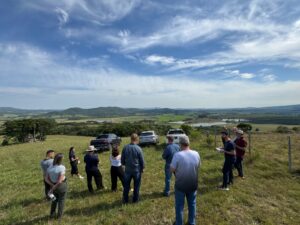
171, 117
270, 127
268, 195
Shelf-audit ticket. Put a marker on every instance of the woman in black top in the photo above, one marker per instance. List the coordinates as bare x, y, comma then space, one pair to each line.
74, 162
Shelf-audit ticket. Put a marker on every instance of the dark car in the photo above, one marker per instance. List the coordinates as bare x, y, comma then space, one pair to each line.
104, 142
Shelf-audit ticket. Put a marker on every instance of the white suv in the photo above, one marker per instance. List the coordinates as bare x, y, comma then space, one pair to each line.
149, 137
176, 134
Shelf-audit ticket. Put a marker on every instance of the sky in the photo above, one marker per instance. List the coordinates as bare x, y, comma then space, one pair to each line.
147, 53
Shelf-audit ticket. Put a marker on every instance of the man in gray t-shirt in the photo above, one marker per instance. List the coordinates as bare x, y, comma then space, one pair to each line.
185, 165
45, 164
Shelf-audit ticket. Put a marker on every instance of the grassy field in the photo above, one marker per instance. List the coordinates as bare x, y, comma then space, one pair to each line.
270, 127
268, 195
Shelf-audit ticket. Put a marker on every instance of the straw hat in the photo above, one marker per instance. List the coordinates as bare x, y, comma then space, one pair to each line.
91, 148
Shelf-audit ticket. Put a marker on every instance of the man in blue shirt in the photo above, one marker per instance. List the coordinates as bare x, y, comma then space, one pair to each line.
45, 164
133, 160
91, 168
229, 155
167, 155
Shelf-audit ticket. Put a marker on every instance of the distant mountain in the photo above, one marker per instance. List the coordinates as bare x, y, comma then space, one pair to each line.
119, 112
290, 109
21, 112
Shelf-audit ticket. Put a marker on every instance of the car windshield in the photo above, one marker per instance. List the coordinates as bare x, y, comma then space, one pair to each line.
176, 132
102, 136
146, 134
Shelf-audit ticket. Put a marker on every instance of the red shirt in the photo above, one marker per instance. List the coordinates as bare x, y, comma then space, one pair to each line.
240, 143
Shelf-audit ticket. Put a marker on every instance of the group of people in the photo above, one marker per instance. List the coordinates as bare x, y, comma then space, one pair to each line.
129, 165
234, 151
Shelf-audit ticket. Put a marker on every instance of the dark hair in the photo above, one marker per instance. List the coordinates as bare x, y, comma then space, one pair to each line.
115, 151
49, 151
71, 149
58, 159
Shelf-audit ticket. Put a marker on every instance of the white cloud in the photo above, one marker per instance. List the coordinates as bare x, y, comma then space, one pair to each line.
94, 11
153, 59
269, 77
62, 15
47, 77
238, 74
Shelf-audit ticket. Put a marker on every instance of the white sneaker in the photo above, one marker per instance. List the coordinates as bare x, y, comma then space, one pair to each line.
224, 189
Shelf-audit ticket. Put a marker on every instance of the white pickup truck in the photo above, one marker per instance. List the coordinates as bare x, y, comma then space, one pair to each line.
176, 134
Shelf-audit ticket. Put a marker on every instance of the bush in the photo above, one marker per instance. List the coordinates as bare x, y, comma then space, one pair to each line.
245, 127
209, 140
296, 129
282, 129
5, 142
25, 130
186, 128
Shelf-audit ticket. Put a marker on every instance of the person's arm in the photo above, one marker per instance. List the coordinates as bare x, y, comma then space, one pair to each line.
73, 158
240, 147
97, 159
173, 164
123, 157
141, 161
48, 181
166, 153
229, 150
61, 178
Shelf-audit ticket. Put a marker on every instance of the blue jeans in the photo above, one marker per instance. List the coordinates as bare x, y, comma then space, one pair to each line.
239, 166
136, 186
168, 175
179, 206
227, 172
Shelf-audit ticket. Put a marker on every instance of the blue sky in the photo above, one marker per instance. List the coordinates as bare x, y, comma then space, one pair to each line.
134, 53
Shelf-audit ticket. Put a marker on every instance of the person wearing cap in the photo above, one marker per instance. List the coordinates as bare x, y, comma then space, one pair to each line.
167, 155
91, 168
185, 166
57, 180
240, 149
235, 132
45, 164
133, 160
229, 155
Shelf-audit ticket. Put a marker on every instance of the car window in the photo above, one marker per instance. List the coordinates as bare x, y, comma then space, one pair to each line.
102, 136
146, 134
176, 132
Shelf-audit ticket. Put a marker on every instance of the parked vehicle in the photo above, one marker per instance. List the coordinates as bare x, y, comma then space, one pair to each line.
176, 134
104, 142
149, 138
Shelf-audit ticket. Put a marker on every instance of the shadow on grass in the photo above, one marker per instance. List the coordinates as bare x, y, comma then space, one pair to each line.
209, 184
43, 219
85, 193
296, 173
103, 206
88, 211
23, 203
